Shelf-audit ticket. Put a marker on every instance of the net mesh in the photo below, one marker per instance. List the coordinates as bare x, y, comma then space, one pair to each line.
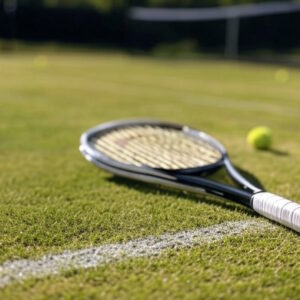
156, 147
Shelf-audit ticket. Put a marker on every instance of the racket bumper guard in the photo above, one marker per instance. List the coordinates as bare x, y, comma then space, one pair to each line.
278, 209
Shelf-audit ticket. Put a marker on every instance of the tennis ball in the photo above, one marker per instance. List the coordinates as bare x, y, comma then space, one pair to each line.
282, 75
260, 137
40, 62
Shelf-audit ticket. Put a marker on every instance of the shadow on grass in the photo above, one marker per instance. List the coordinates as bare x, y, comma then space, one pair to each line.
250, 178
149, 188
278, 152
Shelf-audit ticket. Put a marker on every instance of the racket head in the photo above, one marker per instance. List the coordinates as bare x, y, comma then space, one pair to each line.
151, 147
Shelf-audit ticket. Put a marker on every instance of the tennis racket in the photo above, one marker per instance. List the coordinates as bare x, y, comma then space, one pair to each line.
180, 157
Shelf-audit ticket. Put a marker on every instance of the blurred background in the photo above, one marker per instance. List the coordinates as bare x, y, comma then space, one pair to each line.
256, 29
68, 65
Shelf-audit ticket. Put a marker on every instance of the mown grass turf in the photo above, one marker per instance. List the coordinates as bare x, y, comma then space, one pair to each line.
52, 199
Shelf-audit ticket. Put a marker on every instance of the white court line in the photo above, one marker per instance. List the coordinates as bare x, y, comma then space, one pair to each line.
19, 270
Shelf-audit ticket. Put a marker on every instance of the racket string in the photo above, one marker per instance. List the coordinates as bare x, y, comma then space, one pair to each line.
137, 157
139, 151
164, 141
147, 148
156, 147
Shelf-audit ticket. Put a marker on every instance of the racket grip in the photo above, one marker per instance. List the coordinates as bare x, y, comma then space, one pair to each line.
278, 209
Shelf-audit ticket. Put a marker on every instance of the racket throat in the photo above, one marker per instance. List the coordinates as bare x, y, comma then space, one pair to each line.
238, 178
217, 189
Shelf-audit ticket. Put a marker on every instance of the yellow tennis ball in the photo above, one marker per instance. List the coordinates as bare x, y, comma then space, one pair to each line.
282, 76
260, 137
40, 62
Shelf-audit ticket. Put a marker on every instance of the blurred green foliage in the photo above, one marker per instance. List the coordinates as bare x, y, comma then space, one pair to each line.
121, 4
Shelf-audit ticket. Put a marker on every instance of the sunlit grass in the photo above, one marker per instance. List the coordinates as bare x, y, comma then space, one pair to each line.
52, 199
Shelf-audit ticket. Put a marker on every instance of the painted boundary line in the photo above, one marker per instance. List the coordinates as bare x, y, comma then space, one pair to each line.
19, 270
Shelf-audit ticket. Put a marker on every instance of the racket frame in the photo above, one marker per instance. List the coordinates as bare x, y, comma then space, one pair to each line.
105, 128
187, 179
274, 207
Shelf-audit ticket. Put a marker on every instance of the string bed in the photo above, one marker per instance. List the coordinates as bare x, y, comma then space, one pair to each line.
156, 147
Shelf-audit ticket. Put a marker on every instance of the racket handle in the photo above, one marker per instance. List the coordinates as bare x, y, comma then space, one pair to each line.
277, 209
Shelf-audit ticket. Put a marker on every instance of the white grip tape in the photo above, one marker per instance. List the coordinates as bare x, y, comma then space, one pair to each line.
278, 209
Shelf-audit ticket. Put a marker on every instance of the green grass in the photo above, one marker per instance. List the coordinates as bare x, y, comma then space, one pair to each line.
52, 199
